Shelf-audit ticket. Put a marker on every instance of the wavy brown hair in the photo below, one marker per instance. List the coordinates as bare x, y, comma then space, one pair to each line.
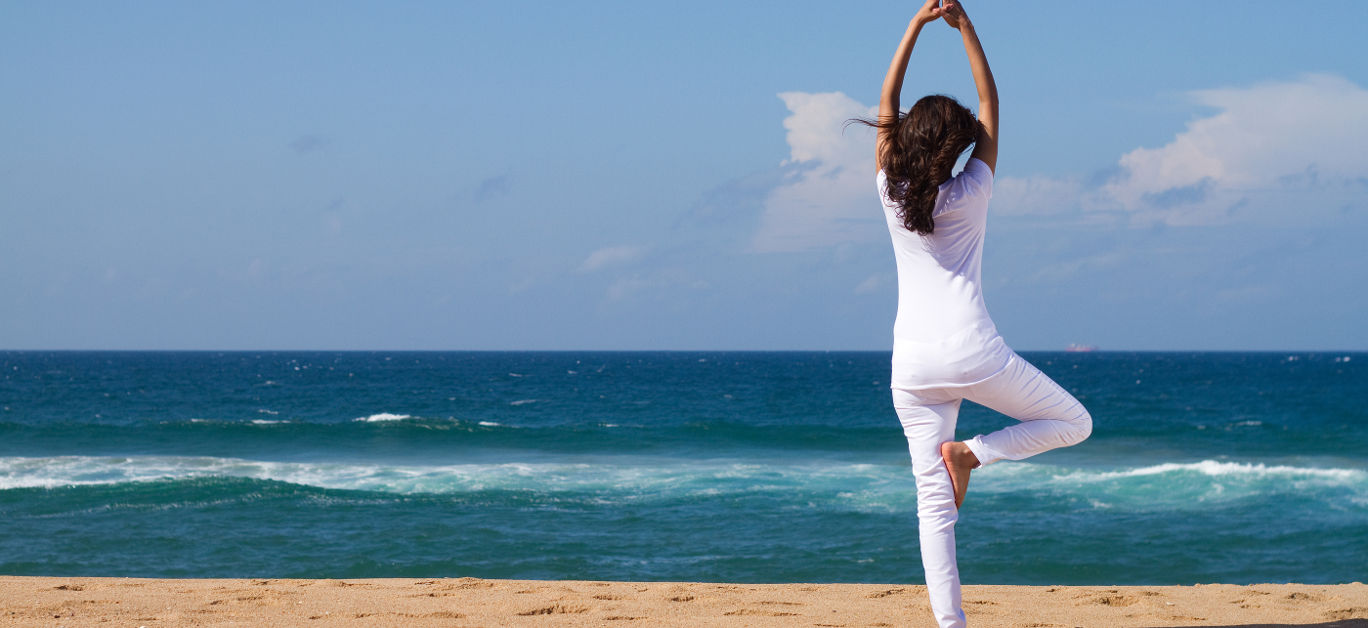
923, 145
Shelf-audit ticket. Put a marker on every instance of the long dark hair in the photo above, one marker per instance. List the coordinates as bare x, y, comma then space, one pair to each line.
923, 145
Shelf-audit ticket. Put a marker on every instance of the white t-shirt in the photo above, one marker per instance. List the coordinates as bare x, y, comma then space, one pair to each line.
943, 335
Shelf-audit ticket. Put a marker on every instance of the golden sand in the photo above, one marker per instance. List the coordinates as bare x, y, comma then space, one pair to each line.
53, 601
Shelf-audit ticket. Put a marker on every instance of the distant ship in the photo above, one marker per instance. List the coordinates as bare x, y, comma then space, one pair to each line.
1078, 348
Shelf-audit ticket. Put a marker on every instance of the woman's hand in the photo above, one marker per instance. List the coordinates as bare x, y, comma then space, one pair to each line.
930, 12
953, 12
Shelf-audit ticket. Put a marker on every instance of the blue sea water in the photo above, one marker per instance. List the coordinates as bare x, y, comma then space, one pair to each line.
744, 467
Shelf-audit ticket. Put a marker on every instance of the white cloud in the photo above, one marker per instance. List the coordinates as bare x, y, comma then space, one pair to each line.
1261, 133
827, 197
1261, 137
611, 256
1263, 141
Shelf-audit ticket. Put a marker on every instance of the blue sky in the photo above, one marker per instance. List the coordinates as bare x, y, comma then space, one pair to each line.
615, 175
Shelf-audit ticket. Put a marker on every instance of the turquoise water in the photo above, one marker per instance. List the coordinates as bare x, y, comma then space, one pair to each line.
748, 467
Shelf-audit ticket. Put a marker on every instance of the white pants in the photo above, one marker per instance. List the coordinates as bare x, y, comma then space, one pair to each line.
1050, 417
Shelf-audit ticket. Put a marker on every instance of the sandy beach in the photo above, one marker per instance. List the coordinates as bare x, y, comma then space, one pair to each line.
50, 601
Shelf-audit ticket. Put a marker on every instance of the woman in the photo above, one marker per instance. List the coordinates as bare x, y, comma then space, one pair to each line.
945, 346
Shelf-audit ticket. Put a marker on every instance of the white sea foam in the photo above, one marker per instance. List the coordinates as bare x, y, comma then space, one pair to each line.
383, 416
1178, 486
828, 484
490, 423
631, 480
1225, 469
522, 402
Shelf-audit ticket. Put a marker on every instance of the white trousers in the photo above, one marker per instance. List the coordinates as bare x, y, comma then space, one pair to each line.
1050, 418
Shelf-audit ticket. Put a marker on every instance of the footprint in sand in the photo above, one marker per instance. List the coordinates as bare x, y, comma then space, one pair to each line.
437, 615
468, 583
1341, 614
555, 609
1115, 600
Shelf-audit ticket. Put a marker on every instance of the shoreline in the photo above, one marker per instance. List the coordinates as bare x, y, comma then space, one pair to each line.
91, 601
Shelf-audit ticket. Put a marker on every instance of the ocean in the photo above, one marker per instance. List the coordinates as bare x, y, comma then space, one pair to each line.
703, 466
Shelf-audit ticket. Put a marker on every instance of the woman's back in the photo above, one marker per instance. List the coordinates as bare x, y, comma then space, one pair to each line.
943, 334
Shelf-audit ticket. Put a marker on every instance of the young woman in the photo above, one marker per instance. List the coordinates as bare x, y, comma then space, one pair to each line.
945, 346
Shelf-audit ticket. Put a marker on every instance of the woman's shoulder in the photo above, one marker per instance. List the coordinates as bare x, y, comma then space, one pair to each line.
976, 179
976, 168
970, 189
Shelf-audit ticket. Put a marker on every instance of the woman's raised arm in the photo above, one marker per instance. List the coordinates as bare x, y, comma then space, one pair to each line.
986, 147
892, 85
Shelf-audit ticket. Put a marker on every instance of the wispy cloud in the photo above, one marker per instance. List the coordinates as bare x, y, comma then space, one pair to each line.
1036, 195
872, 284
656, 285
309, 143
492, 187
611, 256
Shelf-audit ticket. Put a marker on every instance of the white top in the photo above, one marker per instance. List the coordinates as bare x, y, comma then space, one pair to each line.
943, 335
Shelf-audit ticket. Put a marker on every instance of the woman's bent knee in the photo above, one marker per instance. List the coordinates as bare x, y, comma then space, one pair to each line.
1082, 427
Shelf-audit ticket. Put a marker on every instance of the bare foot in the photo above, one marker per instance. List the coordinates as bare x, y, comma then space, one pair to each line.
959, 461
